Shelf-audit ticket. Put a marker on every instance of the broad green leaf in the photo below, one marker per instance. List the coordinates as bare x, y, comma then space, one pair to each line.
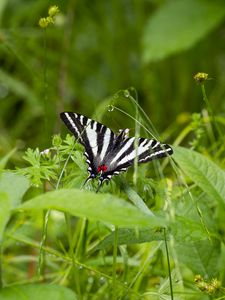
202, 257
206, 174
179, 24
183, 230
100, 207
4, 212
187, 230
37, 292
131, 236
14, 185
12, 189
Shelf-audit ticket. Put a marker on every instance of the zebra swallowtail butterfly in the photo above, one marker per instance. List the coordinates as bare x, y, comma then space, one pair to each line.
108, 153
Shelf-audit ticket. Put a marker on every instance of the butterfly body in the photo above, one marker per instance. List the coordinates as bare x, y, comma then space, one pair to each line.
108, 154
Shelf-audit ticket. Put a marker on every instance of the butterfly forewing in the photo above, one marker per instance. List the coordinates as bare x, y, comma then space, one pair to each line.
94, 136
109, 154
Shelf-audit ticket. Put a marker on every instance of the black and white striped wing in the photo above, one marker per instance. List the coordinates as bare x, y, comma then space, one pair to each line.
123, 156
109, 154
95, 137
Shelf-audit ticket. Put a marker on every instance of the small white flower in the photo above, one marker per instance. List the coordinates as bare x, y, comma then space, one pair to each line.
45, 152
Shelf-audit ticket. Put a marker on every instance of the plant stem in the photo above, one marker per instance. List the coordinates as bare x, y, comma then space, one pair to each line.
168, 262
137, 134
47, 213
45, 86
46, 216
81, 239
114, 263
1, 278
209, 108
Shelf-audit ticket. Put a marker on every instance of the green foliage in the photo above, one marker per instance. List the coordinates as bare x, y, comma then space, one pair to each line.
97, 207
46, 165
183, 23
37, 292
12, 189
204, 256
55, 232
203, 172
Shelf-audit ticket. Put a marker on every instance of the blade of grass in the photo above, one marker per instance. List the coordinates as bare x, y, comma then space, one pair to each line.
114, 263
168, 263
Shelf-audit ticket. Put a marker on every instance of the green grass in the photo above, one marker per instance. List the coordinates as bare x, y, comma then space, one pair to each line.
154, 232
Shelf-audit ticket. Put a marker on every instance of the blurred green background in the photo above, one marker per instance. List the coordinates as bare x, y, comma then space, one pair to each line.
96, 48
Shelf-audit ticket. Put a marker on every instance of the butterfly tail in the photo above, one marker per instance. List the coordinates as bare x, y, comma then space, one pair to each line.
99, 186
86, 181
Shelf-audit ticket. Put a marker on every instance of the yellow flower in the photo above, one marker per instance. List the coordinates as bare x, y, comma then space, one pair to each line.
43, 22
49, 20
200, 77
53, 11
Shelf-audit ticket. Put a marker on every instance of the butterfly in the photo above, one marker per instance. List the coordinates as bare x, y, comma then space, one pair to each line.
108, 154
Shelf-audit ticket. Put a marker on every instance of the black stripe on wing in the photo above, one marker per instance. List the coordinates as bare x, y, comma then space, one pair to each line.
76, 123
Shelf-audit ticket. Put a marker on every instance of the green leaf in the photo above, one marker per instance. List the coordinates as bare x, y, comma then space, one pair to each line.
4, 212
130, 236
206, 174
178, 25
37, 292
99, 207
14, 186
202, 257
136, 199
12, 189
187, 230
183, 230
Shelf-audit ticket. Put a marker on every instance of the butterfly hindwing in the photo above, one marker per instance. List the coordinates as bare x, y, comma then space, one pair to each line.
109, 154
123, 156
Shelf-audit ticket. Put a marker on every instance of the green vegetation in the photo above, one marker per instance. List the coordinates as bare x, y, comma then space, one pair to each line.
154, 232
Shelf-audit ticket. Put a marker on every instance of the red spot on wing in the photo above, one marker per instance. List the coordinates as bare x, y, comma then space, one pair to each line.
102, 168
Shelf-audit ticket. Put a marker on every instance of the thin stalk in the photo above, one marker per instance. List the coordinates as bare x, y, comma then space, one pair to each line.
138, 122
168, 263
69, 232
182, 135
45, 223
1, 277
46, 216
47, 213
144, 266
137, 134
115, 246
155, 135
82, 237
68, 260
210, 110
45, 86
79, 253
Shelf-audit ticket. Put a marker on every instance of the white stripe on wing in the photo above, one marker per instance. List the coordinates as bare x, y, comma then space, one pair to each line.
123, 150
136, 152
106, 141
